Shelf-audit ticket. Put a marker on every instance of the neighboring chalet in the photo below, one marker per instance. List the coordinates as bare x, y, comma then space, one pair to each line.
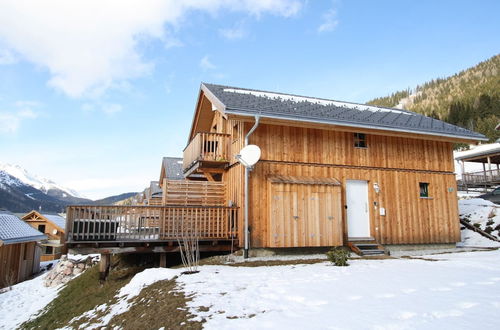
52, 225
331, 174
489, 156
19, 250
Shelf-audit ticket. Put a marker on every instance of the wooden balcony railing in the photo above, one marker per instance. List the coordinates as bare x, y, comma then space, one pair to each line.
210, 147
148, 223
481, 177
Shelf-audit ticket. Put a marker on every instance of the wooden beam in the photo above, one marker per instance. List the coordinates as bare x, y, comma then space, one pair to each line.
209, 176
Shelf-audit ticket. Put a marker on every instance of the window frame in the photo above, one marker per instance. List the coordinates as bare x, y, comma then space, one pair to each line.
360, 140
425, 187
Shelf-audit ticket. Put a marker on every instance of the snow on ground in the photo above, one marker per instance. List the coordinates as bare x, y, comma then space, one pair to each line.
483, 213
460, 291
23, 301
129, 291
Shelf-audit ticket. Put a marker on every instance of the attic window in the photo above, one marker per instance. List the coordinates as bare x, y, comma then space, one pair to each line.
424, 189
360, 140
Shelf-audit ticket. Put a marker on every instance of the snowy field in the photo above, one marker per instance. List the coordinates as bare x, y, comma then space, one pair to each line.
459, 291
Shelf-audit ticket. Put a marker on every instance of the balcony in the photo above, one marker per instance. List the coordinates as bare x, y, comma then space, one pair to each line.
481, 178
206, 153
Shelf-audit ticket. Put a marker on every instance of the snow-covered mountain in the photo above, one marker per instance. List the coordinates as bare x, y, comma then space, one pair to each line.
35, 181
21, 191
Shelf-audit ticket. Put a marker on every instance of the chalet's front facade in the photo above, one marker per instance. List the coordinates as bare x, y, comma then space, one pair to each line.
330, 173
53, 226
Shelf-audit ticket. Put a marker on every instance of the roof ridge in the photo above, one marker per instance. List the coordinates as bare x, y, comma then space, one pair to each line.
313, 97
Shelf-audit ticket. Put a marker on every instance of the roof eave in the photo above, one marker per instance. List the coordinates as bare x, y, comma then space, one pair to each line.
357, 125
18, 240
479, 154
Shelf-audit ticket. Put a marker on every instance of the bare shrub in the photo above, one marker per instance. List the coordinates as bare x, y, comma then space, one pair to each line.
8, 280
188, 239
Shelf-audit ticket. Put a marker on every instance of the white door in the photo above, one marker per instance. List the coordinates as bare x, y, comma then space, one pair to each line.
358, 216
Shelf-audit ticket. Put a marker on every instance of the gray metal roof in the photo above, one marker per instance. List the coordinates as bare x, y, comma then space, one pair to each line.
251, 102
14, 230
154, 189
56, 219
173, 168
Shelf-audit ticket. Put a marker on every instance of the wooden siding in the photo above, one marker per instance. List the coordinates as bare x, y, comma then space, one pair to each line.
408, 218
18, 262
319, 146
397, 165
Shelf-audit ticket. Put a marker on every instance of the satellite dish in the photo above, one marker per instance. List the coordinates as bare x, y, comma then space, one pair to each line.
54, 232
249, 155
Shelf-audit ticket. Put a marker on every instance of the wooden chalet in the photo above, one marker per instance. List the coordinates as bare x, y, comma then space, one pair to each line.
489, 156
19, 250
331, 174
54, 227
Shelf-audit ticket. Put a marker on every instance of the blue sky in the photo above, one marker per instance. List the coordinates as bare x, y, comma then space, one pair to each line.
93, 94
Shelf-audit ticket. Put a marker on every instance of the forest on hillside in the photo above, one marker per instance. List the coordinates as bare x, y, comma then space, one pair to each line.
470, 98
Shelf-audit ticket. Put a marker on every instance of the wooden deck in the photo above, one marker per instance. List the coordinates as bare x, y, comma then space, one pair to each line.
95, 227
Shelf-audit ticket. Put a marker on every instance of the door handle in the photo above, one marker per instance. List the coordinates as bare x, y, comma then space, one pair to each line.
295, 217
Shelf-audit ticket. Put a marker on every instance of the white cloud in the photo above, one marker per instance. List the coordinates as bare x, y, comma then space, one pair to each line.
206, 65
7, 57
330, 21
90, 46
233, 33
10, 121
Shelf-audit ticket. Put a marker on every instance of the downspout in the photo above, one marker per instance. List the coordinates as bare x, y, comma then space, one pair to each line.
247, 174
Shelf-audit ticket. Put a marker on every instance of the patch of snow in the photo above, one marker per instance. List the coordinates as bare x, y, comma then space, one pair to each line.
406, 101
24, 301
483, 213
324, 102
29, 179
456, 292
470, 238
29, 195
8, 180
129, 291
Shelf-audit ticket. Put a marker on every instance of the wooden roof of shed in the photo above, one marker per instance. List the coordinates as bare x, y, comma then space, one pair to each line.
303, 180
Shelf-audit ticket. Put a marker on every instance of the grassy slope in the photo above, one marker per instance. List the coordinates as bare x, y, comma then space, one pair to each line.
80, 295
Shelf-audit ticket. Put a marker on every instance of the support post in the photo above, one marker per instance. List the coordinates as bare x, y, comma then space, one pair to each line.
464, 177
104, 266
163, 260
485, 179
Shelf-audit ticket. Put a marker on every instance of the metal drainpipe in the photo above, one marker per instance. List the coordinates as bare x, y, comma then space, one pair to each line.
247, 173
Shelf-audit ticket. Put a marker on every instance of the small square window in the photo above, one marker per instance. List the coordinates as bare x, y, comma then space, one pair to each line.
360, 140
424, 189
